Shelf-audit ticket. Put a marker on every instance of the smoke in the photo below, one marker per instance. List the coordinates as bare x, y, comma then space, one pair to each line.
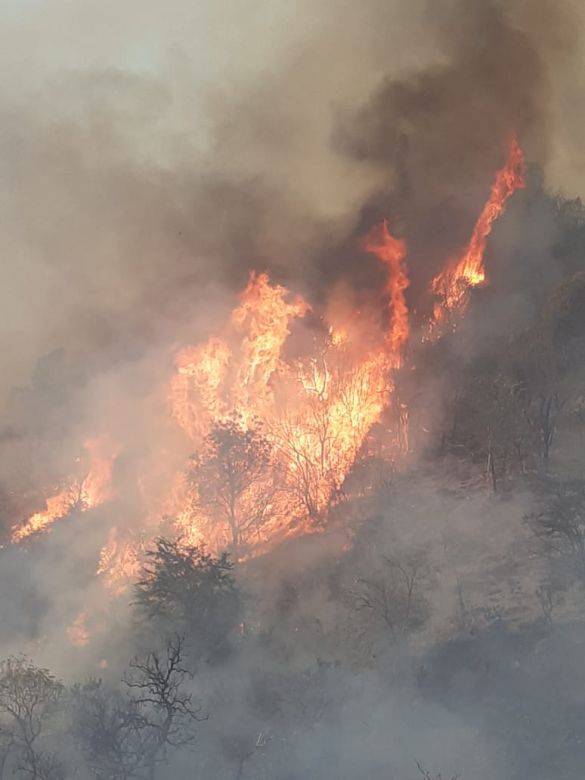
144, 156
151, 157
442, 130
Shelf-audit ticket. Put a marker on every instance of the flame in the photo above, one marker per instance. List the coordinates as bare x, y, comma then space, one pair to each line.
392, 252
452, 285
201, 372
215, 378
82, 494
57, 506
263, 320
314, 412
97, 484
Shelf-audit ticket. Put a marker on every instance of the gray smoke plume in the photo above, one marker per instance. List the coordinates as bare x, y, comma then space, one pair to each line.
151, 155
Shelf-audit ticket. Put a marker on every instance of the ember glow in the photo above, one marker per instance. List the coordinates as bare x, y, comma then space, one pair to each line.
452, 285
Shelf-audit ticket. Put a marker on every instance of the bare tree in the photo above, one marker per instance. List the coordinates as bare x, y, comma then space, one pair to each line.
29, 699
562, 522
542, 414
126, 734
394, 595
306, 449
490, 423
157, 686
549, 598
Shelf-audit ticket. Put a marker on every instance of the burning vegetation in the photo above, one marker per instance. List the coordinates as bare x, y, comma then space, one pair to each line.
274, 436
453, 284
295, 473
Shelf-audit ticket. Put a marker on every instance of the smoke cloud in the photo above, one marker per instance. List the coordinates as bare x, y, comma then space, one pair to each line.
150, 158
144, 156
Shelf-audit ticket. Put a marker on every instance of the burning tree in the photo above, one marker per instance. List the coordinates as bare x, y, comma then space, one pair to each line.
233, 479
453, 285
394, 594
316, 410
318, 444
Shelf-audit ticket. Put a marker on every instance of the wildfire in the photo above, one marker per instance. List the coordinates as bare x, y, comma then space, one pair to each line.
312, 414
392, 252
274, 438
82, 494
235, 372
452, 285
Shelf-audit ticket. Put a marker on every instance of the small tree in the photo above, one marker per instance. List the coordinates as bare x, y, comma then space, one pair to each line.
110, 729
157, 685
306, 448
126, 734
186, 589
232, 478
393, 595
562, 522
29, 699
490, 424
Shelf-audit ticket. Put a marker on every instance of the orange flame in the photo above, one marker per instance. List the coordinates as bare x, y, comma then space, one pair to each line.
214, 379
263, 319
392, 252
312, 413
315, 413
89, 492
452, 285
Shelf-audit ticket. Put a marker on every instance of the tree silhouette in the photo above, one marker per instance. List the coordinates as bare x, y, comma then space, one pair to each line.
185, 589
233, 479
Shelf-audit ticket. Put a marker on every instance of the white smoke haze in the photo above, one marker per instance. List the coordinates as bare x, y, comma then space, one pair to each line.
151, 156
